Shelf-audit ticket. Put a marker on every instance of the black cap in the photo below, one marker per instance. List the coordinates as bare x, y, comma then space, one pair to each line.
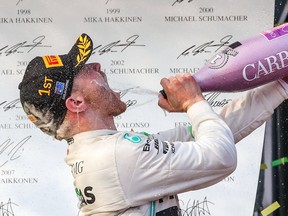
47, 83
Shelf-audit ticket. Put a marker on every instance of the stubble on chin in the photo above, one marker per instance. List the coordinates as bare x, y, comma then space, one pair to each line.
119, 108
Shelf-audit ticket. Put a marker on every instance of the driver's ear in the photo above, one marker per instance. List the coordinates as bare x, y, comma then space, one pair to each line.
76, 104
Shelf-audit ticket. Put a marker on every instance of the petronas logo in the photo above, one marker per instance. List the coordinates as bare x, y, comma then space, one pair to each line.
133, 138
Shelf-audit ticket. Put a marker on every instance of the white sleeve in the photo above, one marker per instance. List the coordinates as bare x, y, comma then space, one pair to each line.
247, 113
157, 168
183, 133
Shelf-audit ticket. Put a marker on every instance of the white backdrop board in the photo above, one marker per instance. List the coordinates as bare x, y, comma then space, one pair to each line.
137, 43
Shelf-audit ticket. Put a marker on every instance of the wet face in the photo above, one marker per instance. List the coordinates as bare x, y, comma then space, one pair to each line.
92, 82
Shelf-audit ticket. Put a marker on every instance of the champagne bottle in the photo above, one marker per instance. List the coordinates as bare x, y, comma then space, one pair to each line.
246, 64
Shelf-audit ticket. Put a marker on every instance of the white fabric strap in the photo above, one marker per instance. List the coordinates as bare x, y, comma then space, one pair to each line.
284, 85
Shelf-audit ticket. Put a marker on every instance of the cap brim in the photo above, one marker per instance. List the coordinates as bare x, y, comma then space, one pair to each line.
80, 52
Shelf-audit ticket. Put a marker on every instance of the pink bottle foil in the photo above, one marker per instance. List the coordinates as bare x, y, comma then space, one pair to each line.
248, 63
